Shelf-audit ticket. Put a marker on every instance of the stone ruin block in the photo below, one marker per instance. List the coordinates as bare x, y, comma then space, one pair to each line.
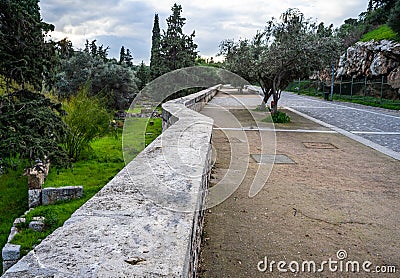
35, 179
37, 226
51, 195
11, 252
34, 197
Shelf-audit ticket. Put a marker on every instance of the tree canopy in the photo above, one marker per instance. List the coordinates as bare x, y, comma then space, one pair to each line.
290, 48
24, 55
110, 80
155, 59
31, 128
173, 49
394, 18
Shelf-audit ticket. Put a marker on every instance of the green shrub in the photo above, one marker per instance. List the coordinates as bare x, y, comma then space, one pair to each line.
87, 119
278, 117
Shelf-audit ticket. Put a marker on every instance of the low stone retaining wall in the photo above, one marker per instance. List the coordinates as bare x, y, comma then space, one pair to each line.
147, 221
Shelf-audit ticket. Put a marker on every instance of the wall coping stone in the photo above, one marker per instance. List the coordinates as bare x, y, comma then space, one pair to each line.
130, 227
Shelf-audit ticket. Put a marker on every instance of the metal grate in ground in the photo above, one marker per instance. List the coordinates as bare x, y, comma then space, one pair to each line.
319, 145
272, 158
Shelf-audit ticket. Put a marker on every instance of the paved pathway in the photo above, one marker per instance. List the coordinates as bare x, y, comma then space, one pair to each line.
379, 128
330, 201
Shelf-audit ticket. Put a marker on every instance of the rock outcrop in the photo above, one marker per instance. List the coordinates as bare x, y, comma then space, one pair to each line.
372, 59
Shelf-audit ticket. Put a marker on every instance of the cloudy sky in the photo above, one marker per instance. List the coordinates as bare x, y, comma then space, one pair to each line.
129, 22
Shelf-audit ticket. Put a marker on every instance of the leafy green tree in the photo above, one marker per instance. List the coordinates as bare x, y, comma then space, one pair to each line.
351, 31
64, 48
74, 73
177, 49
378, 11
155, 59
96, 51
31, 128
370, 6
394, 18
23, 51
86, 119
286, 50
113, 83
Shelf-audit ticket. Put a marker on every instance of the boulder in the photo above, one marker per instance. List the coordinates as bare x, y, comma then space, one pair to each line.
371, 59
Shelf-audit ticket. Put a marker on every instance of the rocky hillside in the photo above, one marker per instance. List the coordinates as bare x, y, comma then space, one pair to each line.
372, 59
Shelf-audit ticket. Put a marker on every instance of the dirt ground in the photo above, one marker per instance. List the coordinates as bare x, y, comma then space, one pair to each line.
342, 196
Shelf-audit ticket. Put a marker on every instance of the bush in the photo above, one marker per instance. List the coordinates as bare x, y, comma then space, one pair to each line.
280, 117
86, 119
31, 128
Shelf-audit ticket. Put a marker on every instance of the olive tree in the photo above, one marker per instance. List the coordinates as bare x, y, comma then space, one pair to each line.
289, 48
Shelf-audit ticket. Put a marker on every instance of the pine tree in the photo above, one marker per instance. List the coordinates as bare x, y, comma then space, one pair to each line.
128, 58
142, 75
93, 48
122, 55
31, 128
177, 49
87, 50
23, 50
155, 59
102, 52
370, 6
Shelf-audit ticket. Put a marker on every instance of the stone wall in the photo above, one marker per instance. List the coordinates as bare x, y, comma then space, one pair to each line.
371, 59
147, 221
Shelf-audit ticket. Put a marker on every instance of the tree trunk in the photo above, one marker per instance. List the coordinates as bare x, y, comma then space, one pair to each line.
263, 106
274, 107
276, 95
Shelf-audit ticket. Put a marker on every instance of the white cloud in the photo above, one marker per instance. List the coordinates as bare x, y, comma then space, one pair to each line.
125, 22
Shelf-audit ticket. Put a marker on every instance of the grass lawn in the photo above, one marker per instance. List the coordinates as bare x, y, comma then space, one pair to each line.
13, 201
93, 171
383, 32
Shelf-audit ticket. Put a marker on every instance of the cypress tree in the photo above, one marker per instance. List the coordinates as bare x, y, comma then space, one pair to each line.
155, 59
